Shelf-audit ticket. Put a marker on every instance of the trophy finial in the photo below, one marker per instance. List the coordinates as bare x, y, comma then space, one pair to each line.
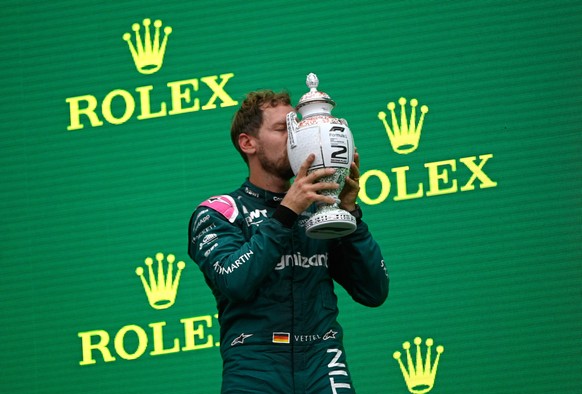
312, 82
314, 95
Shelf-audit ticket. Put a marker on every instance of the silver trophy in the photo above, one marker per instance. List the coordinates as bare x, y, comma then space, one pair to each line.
330, 139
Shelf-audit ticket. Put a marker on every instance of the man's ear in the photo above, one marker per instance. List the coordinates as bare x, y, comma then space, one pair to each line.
247, 143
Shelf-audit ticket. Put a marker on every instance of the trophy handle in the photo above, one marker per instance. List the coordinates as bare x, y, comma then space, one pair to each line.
291, 129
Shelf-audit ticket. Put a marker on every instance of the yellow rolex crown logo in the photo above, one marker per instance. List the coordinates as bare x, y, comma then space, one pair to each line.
419, 376
404, 137
148, 55
163, 286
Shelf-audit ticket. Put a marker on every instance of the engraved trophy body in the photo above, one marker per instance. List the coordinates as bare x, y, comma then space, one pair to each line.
330, 139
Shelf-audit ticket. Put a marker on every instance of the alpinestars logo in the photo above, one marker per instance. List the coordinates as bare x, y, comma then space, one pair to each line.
329, 335
240, 339
438, 177
148, 50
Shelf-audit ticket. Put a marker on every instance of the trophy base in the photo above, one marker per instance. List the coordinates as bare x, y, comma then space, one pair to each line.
329, 224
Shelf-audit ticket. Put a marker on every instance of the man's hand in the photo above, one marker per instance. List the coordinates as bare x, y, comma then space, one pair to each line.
351, 189
304, 190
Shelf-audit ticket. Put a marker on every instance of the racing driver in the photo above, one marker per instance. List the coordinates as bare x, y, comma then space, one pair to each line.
274, 286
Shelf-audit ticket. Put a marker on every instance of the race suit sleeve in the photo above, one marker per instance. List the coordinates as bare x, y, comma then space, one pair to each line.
233, 266
356, 263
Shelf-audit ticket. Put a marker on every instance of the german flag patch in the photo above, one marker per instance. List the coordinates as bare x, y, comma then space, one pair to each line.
281, 337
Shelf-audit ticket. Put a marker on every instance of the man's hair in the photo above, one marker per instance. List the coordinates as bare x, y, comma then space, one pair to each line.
249, 117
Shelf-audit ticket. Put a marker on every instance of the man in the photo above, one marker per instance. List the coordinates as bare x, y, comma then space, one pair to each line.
274, 285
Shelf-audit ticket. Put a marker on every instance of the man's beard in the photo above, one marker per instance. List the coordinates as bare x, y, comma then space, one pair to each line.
280, 167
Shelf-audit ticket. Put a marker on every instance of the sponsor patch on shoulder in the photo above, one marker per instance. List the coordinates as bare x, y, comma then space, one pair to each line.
224, 205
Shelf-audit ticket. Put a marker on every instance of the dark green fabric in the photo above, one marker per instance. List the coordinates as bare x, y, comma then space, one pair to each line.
273, 285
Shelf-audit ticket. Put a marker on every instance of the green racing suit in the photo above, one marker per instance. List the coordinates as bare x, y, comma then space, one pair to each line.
274, 289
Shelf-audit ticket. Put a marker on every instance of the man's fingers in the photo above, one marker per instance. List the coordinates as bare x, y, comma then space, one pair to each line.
325, 186
353, 183
355, 167
354, 171
326, 199
315, 175
306, 164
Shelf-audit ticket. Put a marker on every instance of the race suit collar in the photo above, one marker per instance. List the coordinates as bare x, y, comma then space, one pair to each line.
270, 198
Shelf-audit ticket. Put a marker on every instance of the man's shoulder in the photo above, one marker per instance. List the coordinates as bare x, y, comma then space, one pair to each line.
224, 204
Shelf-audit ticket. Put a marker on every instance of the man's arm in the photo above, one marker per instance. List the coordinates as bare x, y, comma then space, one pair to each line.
357, 264
234, 266
356, 261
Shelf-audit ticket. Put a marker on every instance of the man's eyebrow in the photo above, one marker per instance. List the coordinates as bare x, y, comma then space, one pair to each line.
280, 123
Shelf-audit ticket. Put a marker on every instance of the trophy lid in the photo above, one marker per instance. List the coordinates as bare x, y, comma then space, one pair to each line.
313, 96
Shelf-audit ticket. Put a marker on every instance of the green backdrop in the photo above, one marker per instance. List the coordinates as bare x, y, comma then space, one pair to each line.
102, 165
